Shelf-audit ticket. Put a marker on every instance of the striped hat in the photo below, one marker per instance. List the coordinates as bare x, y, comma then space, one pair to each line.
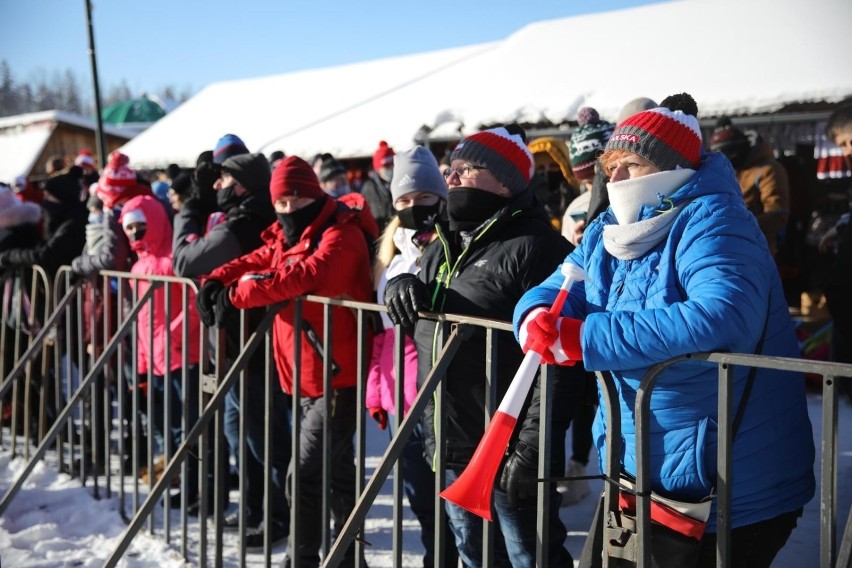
504, 154
227, 146
667, 136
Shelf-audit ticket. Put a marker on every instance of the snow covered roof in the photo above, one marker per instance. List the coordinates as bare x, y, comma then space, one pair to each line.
23, 138
734, 57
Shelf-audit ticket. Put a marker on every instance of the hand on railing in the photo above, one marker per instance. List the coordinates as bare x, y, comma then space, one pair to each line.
206, 300
557, 340
405, 295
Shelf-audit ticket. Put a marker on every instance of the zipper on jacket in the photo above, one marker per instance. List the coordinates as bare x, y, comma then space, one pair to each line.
624, 280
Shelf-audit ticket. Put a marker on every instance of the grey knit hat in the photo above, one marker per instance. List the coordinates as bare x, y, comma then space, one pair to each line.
417, 170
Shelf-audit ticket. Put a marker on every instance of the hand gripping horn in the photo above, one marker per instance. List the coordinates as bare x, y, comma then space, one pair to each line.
472, 490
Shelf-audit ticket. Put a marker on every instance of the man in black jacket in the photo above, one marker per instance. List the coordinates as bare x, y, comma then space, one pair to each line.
242, 194
497, 244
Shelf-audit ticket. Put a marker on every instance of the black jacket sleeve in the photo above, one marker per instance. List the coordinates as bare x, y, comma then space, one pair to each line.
60, 248
197, 254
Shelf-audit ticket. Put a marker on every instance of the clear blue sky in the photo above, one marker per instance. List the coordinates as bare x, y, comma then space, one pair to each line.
188, 44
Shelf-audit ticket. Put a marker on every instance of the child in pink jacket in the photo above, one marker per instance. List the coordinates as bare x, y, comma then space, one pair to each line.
146, 224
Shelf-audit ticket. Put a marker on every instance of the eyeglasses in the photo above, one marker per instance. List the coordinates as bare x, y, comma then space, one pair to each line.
463, 171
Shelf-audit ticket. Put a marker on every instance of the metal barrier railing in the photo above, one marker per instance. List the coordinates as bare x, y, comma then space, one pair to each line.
830, 556
112, 356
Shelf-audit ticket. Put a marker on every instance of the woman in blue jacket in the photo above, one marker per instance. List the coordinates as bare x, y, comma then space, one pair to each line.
678, 265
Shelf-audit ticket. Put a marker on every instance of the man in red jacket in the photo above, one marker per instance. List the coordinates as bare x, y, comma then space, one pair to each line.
317, 247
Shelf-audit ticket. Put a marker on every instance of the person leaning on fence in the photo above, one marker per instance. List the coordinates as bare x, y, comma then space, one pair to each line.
419, 195
497, 243
107, 245
838, 285
147, 227
64, 226
317, 247
678, 265
242, 194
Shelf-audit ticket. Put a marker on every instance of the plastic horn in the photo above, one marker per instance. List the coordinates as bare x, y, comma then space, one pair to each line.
472, 490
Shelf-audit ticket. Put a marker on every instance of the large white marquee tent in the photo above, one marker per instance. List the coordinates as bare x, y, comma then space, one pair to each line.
735, 57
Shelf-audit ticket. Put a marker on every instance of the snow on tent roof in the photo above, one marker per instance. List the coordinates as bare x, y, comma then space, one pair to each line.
24, 136
734, 57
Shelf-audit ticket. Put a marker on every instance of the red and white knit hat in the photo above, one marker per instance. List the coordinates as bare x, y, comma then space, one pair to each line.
504, 154
668, 136
115, 180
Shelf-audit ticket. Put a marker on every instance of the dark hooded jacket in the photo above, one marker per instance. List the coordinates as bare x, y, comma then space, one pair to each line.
65, 218
510, 253
198, 251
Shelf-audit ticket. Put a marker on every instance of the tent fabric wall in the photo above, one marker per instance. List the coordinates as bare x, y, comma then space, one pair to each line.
734, 57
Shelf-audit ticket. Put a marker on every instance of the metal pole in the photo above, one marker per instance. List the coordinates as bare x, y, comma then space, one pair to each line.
99, 125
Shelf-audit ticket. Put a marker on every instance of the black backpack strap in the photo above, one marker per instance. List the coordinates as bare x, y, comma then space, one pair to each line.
751, 375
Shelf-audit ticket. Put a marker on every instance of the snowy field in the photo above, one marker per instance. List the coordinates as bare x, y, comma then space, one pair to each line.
53, 522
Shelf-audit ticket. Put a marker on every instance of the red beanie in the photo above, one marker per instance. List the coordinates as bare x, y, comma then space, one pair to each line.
294, 176
383, 157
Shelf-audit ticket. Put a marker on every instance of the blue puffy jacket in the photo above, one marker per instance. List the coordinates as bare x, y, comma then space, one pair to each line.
706, 287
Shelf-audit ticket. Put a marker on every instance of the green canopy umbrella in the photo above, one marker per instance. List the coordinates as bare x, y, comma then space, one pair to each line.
133, 111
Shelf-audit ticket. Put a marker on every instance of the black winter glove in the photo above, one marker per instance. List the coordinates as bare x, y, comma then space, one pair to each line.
205, 301
225, 310
520, 474
405, 295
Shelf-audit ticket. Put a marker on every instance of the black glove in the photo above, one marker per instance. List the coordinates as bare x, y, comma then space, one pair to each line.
203, 178
205, 301
520, 474
225, 310
405, 295
77, 278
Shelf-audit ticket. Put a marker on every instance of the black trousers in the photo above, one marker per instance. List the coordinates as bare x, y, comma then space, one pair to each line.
753, 546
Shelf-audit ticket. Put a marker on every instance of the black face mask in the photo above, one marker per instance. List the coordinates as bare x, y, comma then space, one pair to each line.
227, 199
469, 207
420, 217
294, 224
137, 236
554, 180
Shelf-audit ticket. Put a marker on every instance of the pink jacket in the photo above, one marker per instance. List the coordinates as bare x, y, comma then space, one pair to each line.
155, 258
381, 379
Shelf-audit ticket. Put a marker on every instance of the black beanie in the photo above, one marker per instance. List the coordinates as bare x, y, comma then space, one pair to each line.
250, 170
730, 140
182, 184
330, 168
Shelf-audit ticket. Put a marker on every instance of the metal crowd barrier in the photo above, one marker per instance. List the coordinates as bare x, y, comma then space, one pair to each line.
108, 396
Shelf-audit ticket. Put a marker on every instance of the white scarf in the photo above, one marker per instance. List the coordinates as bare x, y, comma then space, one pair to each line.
631, 239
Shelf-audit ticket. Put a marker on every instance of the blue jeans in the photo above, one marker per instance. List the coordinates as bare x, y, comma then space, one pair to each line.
256, 412
418, 480
515, 537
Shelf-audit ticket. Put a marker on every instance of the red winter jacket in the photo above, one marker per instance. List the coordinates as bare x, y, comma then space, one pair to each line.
331, 259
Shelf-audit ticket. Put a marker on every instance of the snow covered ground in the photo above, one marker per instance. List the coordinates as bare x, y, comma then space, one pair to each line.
54, 522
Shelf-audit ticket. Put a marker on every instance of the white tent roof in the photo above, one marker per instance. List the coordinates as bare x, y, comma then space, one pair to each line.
24, 136
733, 56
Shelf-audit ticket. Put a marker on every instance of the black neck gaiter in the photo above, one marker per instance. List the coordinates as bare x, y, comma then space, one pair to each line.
469, 207
294, 224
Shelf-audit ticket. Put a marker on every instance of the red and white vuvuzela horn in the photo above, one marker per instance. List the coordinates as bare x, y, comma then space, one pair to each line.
472, 490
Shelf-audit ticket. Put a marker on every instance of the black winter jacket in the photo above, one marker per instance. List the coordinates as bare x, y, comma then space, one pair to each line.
510, 253
196, 254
